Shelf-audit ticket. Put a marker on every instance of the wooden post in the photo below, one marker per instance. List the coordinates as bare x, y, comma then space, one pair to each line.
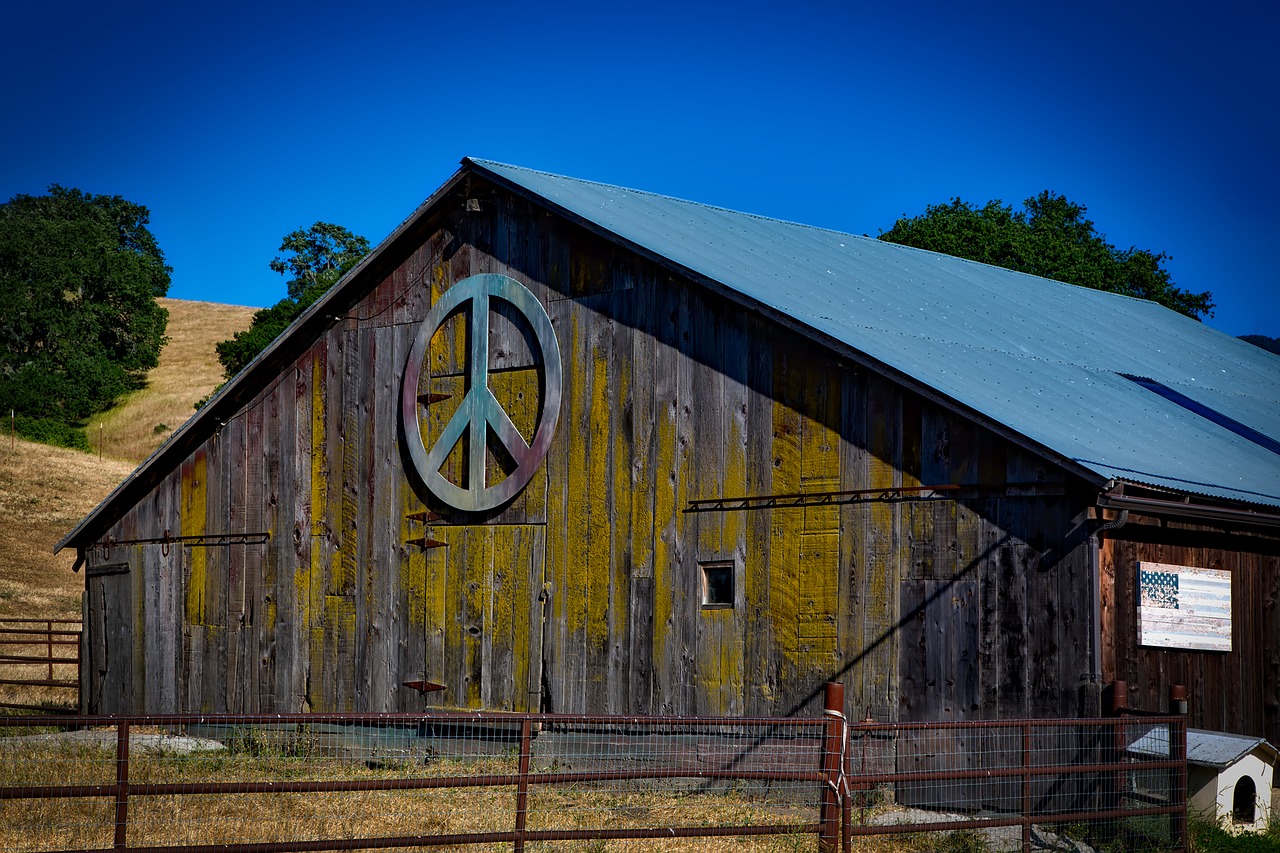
832, 759
1178, 753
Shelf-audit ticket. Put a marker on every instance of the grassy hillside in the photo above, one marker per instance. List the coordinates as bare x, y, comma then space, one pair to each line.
187, 372
45, 491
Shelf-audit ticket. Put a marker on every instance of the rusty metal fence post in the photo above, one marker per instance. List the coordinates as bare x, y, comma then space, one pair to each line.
832, 763
1026, 787
522, 785
122, 784
1178, 753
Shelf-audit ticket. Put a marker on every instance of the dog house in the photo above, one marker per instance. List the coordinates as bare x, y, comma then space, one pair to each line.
1229, 776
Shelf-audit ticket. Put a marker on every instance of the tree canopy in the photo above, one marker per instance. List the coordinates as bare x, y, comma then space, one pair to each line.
79, 322
1049, 237
316, 258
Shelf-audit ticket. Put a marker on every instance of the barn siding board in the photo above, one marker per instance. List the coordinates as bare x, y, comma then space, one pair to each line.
853, 566
884, 464
761, 674
784, 534
733, 481
707, 424
620, 439
1270, 665
670, 648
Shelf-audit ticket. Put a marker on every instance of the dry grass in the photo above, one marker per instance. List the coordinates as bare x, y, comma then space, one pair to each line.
187, 372
300, 817
45, 491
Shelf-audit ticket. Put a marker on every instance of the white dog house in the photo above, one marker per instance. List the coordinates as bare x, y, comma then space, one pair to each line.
1229, 777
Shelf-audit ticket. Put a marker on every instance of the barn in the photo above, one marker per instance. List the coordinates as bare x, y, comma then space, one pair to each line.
566, 446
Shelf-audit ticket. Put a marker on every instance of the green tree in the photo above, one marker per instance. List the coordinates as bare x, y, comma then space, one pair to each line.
79, 322
1052, 238
316, 258
1266, 343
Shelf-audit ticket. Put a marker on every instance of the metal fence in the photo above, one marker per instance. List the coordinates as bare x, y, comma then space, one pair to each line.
1068, 784
39, 660
550, 782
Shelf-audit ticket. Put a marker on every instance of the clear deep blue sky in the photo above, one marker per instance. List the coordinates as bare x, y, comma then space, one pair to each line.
236, 123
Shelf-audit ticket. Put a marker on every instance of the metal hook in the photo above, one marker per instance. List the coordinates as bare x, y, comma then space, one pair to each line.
164, 543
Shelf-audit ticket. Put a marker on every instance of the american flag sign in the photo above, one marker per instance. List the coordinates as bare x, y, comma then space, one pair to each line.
1183, 607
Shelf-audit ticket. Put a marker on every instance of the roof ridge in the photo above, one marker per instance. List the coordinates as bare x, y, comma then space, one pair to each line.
650, 193
789, 222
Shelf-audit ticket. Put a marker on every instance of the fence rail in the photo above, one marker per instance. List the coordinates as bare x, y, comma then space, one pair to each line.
267, 783
42, 654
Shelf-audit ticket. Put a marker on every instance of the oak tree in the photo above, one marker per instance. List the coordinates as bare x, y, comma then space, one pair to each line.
79, 322
315, 258
1049, 237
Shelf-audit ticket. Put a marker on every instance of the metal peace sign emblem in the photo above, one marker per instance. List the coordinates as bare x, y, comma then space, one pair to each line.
480, 412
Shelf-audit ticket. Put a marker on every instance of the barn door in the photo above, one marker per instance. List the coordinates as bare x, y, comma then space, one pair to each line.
110, 646
484, 615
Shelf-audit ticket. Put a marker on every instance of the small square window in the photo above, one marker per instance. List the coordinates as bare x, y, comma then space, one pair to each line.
717, 584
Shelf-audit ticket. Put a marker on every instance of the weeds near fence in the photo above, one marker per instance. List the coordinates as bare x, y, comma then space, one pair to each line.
1209, 837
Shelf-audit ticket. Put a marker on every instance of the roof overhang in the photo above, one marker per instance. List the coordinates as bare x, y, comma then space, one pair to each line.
1186, 508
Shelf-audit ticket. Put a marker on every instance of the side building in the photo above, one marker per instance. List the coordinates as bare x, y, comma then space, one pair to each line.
562, 445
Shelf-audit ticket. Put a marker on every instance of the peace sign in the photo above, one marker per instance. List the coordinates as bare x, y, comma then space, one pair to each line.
480, 412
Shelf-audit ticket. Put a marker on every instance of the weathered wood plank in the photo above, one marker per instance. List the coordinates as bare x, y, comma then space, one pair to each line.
643, 463
884, 558
621, 389
712, 629
852, 553
761, 672
786, 524
672, 643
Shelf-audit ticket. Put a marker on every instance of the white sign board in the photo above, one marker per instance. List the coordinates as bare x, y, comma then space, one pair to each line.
1182, 607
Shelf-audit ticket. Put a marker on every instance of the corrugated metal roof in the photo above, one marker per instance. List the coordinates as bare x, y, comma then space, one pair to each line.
1043, 358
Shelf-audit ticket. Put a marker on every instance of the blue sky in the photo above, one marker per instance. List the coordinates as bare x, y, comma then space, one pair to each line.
240, 122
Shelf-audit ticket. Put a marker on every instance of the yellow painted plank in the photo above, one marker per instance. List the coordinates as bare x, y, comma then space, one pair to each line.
597, 548
413, 561
819, 575
319, 451
785, 524
194, 520
514, 551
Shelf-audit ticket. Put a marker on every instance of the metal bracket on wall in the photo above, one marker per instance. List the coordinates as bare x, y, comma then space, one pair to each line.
424, 542
802, 499
896, 494
423, 686
202, 540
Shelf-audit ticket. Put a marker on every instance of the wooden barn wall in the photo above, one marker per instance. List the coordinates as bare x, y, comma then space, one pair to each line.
1236, 691
583, 594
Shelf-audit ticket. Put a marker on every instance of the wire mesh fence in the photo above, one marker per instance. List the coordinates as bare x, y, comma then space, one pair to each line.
346, 782
1074, 784
554, 782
